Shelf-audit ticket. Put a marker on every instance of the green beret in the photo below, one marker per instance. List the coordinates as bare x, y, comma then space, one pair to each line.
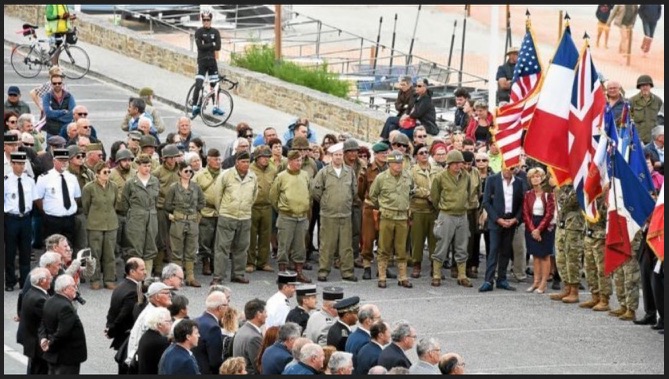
380, 147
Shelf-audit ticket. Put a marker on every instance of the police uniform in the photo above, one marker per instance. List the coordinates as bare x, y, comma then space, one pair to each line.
299, 315
17, 222
339, 332
278, 305
59, 212
320, 322
13, 139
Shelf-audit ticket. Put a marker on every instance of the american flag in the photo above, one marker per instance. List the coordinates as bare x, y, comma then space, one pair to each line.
513, 117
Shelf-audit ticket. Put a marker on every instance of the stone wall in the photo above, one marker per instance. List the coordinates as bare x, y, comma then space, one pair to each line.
328, 111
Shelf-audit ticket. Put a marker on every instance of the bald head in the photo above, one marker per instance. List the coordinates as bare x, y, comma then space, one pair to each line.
452, 364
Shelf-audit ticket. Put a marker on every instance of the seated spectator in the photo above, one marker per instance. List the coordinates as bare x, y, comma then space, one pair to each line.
14, 102
233, 366
479, 127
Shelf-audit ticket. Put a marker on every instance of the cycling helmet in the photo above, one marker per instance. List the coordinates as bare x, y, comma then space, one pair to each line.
206, 14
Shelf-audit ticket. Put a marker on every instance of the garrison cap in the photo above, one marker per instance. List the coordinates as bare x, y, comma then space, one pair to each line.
93, 147
333, 293
350, 304
287, 277
306, 290
61, 154
395, 157
19, 156
11, 138
380, 147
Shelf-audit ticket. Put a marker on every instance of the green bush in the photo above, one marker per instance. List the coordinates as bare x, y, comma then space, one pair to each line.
260, 58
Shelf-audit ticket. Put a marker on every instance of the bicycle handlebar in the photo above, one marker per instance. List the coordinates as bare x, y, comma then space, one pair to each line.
233, 84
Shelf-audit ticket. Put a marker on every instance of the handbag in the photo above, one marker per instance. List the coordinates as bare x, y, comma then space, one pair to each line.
72, 36
408, 123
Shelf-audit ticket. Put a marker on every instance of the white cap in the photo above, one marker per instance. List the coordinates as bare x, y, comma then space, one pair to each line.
336, 147
156, 287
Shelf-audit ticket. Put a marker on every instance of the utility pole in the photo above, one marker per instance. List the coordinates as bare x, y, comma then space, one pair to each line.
277, 32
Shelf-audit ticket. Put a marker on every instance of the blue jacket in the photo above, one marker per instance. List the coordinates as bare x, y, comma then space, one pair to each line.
58, 114
393, 356
367, 357
300, 369
493, 199
356, 341
177, 361
275, 359
209, 349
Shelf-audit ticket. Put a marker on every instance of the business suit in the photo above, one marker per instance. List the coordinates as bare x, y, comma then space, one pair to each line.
356, 341
275, 359
367, 357
299, 316
247, 344
209, 349
119, 317
176, 360
63, 329
393, 356
31, 318
338, 334
501, 238
151, 347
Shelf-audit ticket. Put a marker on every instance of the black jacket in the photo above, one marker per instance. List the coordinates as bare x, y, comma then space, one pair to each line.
423, 111
150, 349
63, 328
31, 318
393, 356
120, 318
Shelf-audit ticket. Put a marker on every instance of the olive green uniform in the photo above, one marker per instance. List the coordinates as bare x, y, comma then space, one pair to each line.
165, 177
451, 195
369, 233
139, 204
644, 113
98, 203
84, 176
119, 177
423, 214
261, 218
356, 211
593, 259
183, 206
569, 238
206, 179
289, 195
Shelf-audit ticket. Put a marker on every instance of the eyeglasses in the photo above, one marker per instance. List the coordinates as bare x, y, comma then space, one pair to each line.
481, 160
82, 114
225, 305
413, 336
206, 20
422, 153
28, 144
168, 293
56, 83
400, 145
420, 135
105, 172
12, 121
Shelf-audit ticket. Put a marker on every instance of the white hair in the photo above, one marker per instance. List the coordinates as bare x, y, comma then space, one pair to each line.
309, 350
155, 316
339, 360
49, 258
63, 281
38, 274
215, 300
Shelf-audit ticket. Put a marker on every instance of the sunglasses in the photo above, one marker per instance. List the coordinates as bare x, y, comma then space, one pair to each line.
249, 136
12, 94
206, 19
105, 172
188, 171
56, 83
80, 156
400, 145
481, 160
82, 114
12, 121
422, 153
28, 144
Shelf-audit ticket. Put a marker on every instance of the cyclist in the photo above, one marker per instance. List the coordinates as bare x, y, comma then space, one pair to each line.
58, 22
208, 42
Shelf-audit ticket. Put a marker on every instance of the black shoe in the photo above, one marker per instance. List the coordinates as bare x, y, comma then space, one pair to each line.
307, 266
661, 332
646, 320
367, 273
505, 286
9, 288
658, 326
556, 285
581, 287
529, 271
351, 278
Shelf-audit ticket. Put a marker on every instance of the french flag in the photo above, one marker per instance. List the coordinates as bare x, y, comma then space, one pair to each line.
655, 237
598, 174
547, 137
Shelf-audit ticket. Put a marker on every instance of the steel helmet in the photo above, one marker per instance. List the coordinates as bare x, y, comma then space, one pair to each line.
454, 156
124, 154
171, 151
644, 79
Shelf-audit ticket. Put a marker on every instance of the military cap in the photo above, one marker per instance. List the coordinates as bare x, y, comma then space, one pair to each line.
350, 145
262, 151
395, 157
287, 277
242, 155
333, 293
402, 139
136, 135
124, 154
171, 151
213, 153
294, 154
350, 304
306, 290
73, 151
93, 147
11, 138
336, 147
61, 154
146, 141
380, 147
300, 143
19, 156
56, 141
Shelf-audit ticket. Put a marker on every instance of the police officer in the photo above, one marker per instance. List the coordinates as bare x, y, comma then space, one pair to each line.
347, 310
593, 260
84, 176
140, 195
261, 213
391, 193
569, 243
57, 194
206, 179
119, 175
20, 192
166, 174
278, 305
307, 301
11, 144
320, 322
183, 203
335, 188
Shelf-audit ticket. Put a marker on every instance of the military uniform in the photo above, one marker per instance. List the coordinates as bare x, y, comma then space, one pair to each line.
320, 322
84, 176
98, 204
166, 177
644, 112
593, 260
627, 279
340, 331
261, 219
278, 305
299, 315
356, 211
206, 179
368, 231
423, 215
119, 176
139, 205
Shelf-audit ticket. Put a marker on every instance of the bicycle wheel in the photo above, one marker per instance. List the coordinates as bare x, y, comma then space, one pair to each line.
216, 116
189, 102
75, 60
26, 61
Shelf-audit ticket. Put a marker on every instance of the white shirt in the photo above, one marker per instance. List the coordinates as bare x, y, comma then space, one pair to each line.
277, 309
12, 192
538, 207
49, 189
508, 194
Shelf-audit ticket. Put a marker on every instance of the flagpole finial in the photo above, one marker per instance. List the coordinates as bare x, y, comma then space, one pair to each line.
527, 12
566, 16
586, 36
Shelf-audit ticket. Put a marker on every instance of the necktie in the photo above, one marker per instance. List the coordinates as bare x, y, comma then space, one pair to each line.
22, 199
66, 193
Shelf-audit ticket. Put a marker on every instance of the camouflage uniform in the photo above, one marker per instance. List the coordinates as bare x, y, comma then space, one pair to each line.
593, 259
569, 246
627, 278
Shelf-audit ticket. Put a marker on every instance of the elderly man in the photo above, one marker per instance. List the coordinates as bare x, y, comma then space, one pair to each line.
367, 315
243, 146
403, 338
452, 364
209, 350
320, 322
368, 356
80, 112
14, 102
341, 363
31, 319
184, 134
347, 310
159, 296
277, 356
615, 100
428, 351
310, 361
656, 147
645, 106
249, 337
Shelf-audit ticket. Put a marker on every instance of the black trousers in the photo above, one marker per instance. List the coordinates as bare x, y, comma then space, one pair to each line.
658, 291
18, 235
61, 225
37, 366
647, 261
58, 369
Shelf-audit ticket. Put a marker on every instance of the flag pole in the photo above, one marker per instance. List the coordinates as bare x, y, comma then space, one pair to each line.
493, 53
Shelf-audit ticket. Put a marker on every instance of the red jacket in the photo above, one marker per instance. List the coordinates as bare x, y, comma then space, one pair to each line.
549, 209
474, 123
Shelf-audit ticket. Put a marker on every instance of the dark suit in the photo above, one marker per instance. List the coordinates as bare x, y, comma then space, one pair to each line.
501, 247
393, 356
367, 357
246, 344
299, 316
338, 334
31, 318
356, 341
176, 360
119, 318
209, 349
151, 347
275, 359
67, 340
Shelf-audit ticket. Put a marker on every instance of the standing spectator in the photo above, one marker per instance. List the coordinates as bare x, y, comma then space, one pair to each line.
367, 315
25, 124
278, 305
145, 94
39, 91
249, 337
261, 212
62, 335
208, 41
645, 106
197, 145
115, 148
233, 366
277, 356
310, 361
368, 355
11, 119
14, 102
154, 341
184, 133
242, 146
403, 338
616, 101
505, 75
159, 296
602, 14
307, 302
177, 358
428, 351
58, 105
328, 140
207, 179
183, 203
270, 336
347, 311
494, 158
340, 363
267, 135
31, 318
99, 203
649, 15
624, 17
422, 210
209, 350
452, 364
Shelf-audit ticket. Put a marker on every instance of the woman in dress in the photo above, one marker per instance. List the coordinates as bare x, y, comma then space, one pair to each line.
538, 212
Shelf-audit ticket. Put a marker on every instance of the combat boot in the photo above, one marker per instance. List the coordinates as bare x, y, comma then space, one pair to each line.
603, 304
454, 271
590, 304
628, 316
416, 271
381, 273
300, 276
282, 267
189, 268
436, 274
573, 295
462, 275
618, 312
561, 295
403, 282
206, 266
157, 264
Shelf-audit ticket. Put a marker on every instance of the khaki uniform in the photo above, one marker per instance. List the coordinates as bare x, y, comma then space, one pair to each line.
627, 278
289, 195
569, 239
336, 195
84, 177
644, 113
593, 258
155, 163
423, 214
391, 195
183, 206
369, 233
261, 218
206, 179
165, 177
356, 211
119, 178
139, 205
98, 205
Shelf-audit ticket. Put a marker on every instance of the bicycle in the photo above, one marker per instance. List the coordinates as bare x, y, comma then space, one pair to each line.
209, 99
29, 59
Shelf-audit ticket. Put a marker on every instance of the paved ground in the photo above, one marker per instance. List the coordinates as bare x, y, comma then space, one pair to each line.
500, 332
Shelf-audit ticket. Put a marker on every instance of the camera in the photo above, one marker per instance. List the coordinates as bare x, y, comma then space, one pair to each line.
80, 299
82, 255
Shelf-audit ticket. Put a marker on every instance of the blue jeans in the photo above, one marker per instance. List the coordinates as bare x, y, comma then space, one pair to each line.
392, 123
648, 28
501, 249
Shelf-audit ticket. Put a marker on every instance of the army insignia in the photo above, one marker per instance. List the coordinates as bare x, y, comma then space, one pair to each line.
13, 196
53, 190
344, 333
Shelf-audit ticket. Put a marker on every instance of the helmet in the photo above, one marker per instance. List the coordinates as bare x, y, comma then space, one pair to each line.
146, 141
300, 143
206, 14
171, 151
124, 154
644, 79
351, 144
454, 156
